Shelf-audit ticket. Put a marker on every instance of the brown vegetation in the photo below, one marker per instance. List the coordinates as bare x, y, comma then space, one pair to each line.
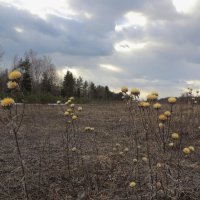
70, 162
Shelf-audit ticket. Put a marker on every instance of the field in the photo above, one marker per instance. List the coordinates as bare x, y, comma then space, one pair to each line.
123, 157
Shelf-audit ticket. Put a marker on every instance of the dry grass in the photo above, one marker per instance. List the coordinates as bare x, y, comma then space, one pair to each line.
98, 168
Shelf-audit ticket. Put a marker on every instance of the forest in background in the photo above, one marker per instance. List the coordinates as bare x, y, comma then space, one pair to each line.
42, 84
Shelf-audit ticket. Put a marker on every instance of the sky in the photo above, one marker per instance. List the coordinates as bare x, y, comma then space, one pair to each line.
145, 44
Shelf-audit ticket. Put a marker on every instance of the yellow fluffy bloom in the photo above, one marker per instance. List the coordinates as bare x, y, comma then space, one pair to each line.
175, 136
135, 92
74, 117
87, 128
144, 104
12, 84
74, 149
191, 148
154, 93
167, 113
72, 105
126, 149
69, 110
68, 102
91, 129
145, 159
171, 144
124, 89
157, 106
80, 108
7, 102
162, 117
66, 113
14, 75
151, 97
132, 184
172, 100
186, 150
161, 125
71, 98
140, 104
158, 165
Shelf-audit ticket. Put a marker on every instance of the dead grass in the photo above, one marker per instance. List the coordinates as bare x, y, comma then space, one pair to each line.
97, 170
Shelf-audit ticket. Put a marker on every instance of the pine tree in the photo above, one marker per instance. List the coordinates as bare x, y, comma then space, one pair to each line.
79, 87
68, 88
24, 66
107, 93
46, 84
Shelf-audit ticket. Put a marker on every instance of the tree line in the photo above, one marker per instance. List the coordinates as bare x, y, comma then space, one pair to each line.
42, 84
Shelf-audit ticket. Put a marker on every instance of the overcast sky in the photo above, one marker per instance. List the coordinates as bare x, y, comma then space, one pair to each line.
147, 44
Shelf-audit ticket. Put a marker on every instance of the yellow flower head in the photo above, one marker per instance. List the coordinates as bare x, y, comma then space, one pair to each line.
58, 102
145, 159
74, 117
141, 103
7, 102
167, 113
135, 92
191, 148
124, 89
135, 160
80, 108
171, 144
12, 85
161, 125
69, 110
132, 184
72, 105
71, 98
157, 106
162, 118
14, 75
159, 165
151, 97
66, 113
144, 104
186, 150
172, 100
175, 136
74, 149
91, 128
69, 101
87, 128
126, 149
154, 93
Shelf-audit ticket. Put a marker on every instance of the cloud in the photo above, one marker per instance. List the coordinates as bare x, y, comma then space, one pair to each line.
152, 45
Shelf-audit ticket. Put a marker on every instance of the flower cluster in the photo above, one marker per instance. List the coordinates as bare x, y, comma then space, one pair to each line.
12, 84
7, 102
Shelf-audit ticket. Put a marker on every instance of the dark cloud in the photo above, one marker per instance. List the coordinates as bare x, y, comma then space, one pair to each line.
56, 34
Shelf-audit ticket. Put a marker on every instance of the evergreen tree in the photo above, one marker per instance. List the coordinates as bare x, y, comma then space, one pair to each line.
85, 90
92, 91
107, 93
24, 66
79, 87
68, 85
46, 84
